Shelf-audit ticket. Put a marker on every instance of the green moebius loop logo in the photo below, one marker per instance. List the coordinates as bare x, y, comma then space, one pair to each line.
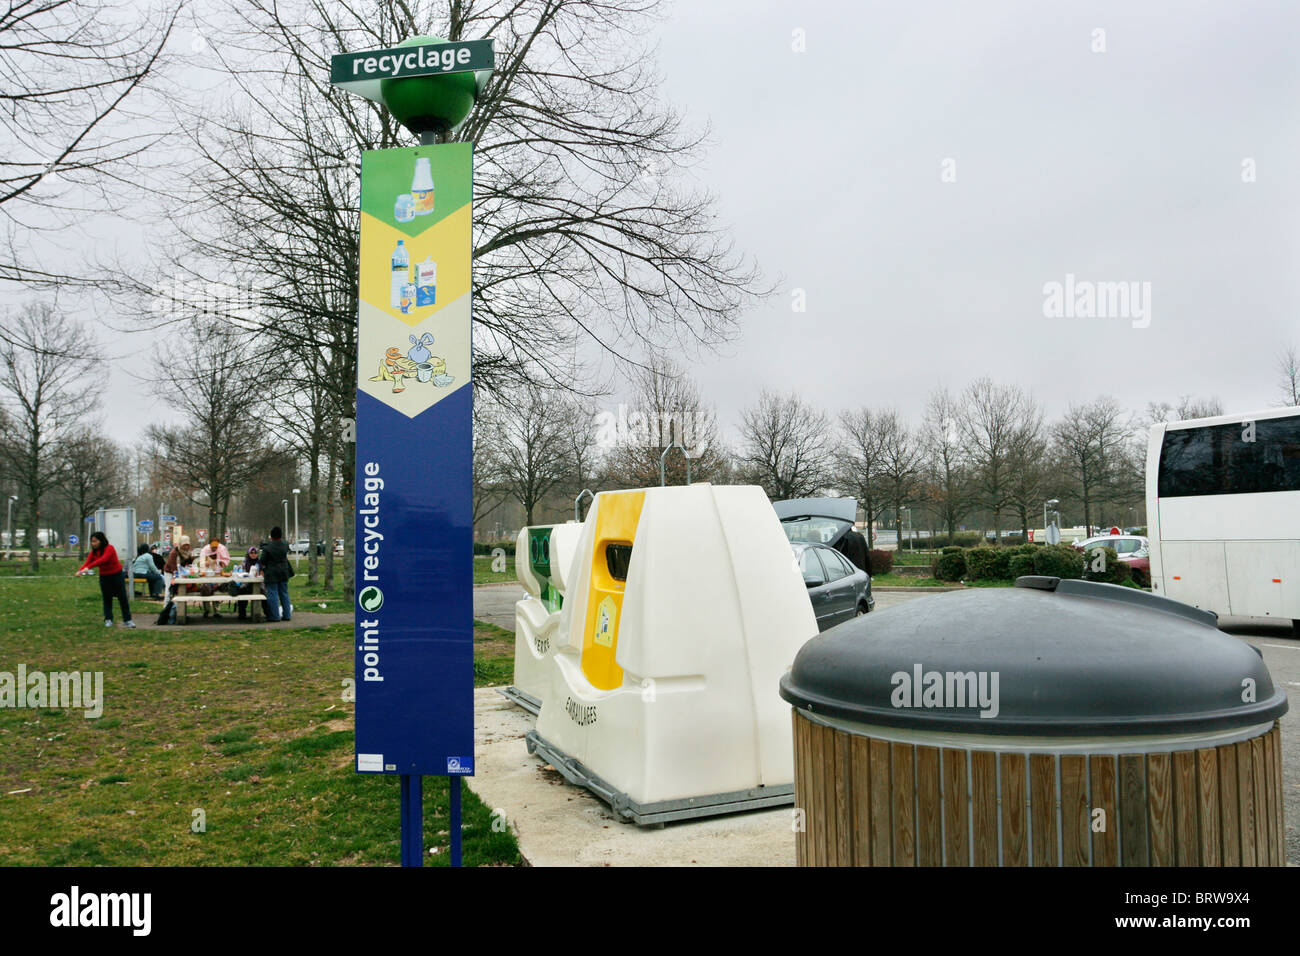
371, 599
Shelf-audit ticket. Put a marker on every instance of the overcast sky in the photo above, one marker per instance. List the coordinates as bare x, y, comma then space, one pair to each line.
1119, 166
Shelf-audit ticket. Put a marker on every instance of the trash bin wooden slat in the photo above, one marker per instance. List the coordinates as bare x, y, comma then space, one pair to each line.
909, 805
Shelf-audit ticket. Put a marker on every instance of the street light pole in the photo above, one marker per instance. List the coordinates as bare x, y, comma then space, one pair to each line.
9, 520
285, 502
296, 536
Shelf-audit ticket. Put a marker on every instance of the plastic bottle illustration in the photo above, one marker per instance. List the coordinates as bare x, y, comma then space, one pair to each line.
422, 186
401, 275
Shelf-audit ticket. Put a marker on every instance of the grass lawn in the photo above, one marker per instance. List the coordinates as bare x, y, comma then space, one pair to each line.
913, 558
248, 726
483, 573
907, 581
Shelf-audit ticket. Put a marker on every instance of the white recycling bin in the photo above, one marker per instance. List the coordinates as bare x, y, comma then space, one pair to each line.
542, 555
684, 604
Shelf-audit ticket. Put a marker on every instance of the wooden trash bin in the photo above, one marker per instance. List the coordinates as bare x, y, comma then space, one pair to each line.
1119, 729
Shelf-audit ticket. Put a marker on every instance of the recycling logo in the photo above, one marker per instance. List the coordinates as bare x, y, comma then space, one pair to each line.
371, 599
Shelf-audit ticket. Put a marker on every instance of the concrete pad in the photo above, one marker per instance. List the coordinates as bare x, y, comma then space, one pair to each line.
558, 824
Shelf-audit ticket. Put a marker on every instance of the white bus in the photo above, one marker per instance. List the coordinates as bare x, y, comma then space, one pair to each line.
1223, 513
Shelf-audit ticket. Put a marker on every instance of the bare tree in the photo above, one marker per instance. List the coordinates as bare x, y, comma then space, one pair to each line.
215, 381
526, 445
67, 70
44, 358
581, 441
1185, 408
945, 459
859, 461
1288, 373
94, 474
900, 469
487, 495
1091, 440
1030, 461
666, 408
990, 417
785, 446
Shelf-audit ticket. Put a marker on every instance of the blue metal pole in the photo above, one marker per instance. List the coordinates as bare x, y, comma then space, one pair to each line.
412, 820
455, 821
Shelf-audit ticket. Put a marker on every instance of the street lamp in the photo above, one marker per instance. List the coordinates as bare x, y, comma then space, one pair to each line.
296, 556
9, 519
285, 502
900, 528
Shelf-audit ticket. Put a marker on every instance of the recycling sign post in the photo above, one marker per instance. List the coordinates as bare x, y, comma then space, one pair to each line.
414, 647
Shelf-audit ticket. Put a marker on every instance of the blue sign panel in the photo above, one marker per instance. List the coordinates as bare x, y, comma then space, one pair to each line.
414, 647
73, 539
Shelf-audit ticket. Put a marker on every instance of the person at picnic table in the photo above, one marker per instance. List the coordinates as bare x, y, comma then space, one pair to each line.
112, 579
213, 557
143, 567
180, 557
250, 566
276, 571
158, 560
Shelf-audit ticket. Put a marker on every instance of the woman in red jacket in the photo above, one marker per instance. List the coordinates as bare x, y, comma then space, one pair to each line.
112, 584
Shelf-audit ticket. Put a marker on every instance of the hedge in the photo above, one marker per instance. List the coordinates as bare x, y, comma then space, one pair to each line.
1021, 564
987, 563
487, 547
880, 562
1105, 567
949, 566
1058, 561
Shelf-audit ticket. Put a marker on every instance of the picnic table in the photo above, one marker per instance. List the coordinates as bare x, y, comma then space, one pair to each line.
186, 590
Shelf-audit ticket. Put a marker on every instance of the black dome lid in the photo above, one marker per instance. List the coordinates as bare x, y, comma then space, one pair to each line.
1070, 658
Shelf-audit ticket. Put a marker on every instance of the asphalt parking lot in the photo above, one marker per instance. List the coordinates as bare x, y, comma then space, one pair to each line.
496, 604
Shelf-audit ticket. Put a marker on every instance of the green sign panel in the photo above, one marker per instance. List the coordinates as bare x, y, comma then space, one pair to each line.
467, 56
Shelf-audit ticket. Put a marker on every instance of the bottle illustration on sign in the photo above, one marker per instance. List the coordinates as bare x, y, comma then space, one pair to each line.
404, 208
422, 187
426, 282
400, 277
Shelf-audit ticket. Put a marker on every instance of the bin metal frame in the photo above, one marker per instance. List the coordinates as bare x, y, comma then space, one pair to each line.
521, 698
662, 811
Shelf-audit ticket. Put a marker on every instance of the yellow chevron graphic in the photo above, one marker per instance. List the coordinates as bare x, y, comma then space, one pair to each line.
445, 244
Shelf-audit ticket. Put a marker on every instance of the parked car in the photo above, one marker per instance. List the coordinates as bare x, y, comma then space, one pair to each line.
1131, 548
301, 546
837, 588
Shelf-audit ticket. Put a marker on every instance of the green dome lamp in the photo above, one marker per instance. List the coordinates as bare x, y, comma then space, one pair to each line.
426, 105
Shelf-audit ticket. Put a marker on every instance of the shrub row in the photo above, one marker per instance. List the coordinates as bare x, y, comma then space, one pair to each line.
880, 562
487, 547
991, 564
